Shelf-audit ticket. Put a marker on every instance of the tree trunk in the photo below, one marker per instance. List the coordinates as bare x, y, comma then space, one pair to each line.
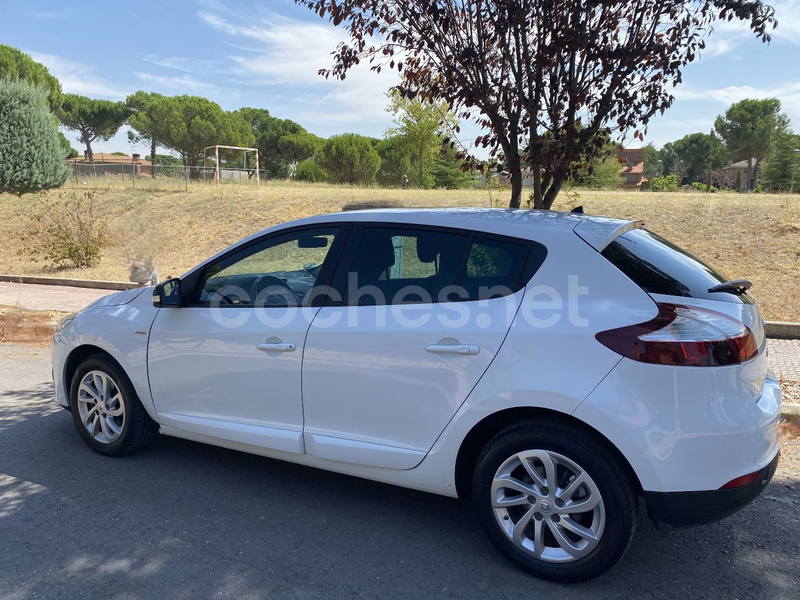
552, 193
536, 173
89, 152
750, 185
515, 171
153, 158
421, 159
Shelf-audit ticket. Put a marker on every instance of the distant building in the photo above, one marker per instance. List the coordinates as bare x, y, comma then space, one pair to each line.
110, 164
632, 170
730, 171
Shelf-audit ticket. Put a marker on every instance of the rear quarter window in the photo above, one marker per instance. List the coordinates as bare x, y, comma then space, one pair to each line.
660, 267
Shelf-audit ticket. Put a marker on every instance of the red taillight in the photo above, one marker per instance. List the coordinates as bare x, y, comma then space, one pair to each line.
684, 336
741, 481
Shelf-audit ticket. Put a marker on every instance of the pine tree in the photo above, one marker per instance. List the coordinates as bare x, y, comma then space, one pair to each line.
31, 155
780, 163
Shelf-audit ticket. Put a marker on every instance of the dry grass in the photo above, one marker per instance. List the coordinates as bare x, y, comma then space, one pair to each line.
755, 236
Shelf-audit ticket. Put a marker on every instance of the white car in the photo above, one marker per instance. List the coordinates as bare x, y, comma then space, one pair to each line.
553, 368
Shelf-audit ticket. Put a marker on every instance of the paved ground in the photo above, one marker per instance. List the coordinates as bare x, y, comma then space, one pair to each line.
184, 520
48, 297
784, 358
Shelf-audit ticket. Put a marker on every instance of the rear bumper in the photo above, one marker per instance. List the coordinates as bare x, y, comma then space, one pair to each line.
682, 509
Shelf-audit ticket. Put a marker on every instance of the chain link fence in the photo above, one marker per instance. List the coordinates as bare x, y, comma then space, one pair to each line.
101, 175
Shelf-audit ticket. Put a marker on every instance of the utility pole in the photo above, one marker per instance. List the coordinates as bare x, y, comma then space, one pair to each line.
794, 170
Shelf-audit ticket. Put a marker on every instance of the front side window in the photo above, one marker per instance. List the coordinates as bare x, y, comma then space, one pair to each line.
280, 271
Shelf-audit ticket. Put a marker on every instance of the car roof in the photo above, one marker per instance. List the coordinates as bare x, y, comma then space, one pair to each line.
521, 223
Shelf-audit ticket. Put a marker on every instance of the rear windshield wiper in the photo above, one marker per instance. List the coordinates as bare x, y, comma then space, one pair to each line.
738, 287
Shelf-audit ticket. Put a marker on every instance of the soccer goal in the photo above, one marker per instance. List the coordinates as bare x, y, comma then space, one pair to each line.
246, 152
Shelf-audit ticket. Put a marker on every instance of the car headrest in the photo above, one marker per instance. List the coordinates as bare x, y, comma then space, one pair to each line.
378, 254
428, 247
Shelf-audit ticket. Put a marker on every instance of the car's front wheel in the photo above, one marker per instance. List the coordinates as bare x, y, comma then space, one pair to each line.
106, 409
554, 501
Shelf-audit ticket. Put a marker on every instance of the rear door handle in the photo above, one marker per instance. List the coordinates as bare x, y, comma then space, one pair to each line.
277, 346
465, 349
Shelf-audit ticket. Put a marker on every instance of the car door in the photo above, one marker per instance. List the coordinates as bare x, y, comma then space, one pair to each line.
227, 363
424, 312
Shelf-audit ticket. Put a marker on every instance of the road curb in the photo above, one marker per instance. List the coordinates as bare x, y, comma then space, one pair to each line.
783, 331
80, 283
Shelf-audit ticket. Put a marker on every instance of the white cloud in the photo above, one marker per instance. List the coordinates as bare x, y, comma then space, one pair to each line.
787, 92
788, 15
177, 63
286, 52
182, 82
77, 78
49, 15
727, 36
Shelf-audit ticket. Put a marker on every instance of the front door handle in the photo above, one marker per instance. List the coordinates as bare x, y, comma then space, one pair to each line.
465, 349
277, 346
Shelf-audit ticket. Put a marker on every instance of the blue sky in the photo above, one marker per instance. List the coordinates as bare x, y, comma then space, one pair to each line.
267, 54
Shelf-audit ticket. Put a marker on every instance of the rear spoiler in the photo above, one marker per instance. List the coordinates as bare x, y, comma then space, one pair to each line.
599, 232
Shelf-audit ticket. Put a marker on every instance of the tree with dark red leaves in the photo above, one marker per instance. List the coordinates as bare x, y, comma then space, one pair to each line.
547, 80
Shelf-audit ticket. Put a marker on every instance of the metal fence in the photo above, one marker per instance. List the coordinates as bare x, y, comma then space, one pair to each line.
136, 175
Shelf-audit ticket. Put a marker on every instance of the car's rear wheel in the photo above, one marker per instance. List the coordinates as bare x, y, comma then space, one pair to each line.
554, 501
107, 412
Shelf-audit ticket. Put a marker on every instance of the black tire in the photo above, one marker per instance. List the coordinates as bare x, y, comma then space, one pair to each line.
615, 518
136, 428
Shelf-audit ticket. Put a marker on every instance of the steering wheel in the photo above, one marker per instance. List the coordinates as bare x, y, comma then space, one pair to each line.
226, 295
268, 281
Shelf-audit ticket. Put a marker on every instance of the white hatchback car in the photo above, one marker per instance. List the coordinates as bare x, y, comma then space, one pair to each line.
552, 367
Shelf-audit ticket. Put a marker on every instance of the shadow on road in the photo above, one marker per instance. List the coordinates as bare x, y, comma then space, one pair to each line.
185, 520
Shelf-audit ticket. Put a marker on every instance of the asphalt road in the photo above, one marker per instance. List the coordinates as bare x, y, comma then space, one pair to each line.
184, 520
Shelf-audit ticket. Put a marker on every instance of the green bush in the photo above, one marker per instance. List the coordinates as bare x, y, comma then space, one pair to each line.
310, 171
31, 154
667, 183
69, 232
350, 158
66, 146
702, 187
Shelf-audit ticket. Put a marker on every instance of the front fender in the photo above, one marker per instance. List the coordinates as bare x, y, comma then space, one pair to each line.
121, 331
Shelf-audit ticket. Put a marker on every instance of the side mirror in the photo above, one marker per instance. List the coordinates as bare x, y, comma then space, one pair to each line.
168, 293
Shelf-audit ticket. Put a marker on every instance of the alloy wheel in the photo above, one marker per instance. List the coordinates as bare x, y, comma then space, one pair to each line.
101, 408
548, 506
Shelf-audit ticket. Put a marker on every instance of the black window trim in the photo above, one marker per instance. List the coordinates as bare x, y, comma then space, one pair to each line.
196, 278
535, 253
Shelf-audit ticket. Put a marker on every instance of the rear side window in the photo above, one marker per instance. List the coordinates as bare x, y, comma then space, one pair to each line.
400, 264
494, 268
660, 267
404, 265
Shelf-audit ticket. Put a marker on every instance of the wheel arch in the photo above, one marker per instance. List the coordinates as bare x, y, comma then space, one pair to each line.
482, 432
77, 356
